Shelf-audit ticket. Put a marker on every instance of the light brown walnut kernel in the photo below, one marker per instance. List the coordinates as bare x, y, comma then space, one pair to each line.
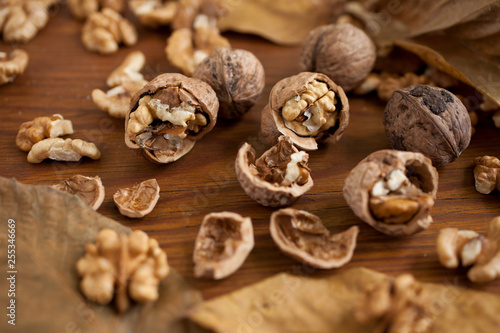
41, 128
89, 189
12, 65
122, 267
302, 236
139, 200
223, 243
128, 71
58, 149
81, 9
389, 83
104, 31
154, 13
486, 174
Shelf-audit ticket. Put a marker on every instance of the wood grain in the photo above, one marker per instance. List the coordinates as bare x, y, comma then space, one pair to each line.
59, 79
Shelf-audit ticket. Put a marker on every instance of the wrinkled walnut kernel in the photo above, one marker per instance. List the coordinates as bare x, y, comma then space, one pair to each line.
223, 243
154, 13
58, 149
139, 200
81, 9
89, 189
122, 267
41, 128
302, 236
486, 174
12, 65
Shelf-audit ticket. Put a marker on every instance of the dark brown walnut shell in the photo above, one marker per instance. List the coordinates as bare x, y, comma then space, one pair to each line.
428, 120
238, 78
302, 236
393, 191
223, 243
264, 179
177, 89
273, 123
342, 51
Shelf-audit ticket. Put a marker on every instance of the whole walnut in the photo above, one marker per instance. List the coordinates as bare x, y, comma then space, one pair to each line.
428, 120
238, 78
341, 51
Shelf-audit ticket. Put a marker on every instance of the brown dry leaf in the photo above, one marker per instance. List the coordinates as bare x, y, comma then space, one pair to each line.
288, 303
51, 230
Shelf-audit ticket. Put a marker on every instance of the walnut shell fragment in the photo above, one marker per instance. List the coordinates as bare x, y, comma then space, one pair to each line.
223, 243
139, 200
237, 77
89, 189
278, 178
393, 191
41, 128
169, 115
57, 149
486, 174
341, 51
428, 120
302, 236
12, 65
307, 107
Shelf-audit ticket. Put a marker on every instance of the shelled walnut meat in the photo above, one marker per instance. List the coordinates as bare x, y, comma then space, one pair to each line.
393, 191
428, 120
302, 236
486, 174
278, 178
169, 115
469, 248
81, 9
57, 149
307, 107
223, 243
154, 13
139, 200
236, 76
122, 267
12, 65
41, 128
341, 51
89, 189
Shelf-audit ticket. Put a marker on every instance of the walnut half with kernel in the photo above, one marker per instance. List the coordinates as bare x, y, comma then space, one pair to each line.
393, 191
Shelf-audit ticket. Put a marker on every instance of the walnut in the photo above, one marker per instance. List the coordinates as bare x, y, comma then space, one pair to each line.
20, 20
482, 252
302, 236
154, 13
236, 76
81, 9
486, 173
278, 178
139, 200
104, 31
393, 191
89, 189
428, 120
307, 107
223, 243
12, 65
169, 115
341, 51
124, 82
58, 149
41, 128
122, 267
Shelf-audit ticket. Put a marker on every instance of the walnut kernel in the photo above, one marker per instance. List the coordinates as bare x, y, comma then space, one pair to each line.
41, 128
58, 149
486, 173
139, 200
154, 13
89, 189
12, 65
81, 9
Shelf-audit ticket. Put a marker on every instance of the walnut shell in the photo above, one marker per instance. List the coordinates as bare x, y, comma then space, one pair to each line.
257, 181
342, 51
223, 243
139, 200
302, 236
420, 186
238, 78
89, 189
273, 125
204, 98
428, 120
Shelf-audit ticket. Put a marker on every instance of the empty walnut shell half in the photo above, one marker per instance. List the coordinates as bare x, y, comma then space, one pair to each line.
169, 115
302, 236
237, 77
393, 191
89, 189
278, 178
139, 200
223, 243
307, 107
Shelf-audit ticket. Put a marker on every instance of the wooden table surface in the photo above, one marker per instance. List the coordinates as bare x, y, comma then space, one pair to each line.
59, 79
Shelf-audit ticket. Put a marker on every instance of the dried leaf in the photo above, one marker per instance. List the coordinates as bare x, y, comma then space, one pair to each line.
288, 303
52, 228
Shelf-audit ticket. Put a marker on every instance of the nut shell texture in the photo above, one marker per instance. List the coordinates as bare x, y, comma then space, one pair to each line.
139, 200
